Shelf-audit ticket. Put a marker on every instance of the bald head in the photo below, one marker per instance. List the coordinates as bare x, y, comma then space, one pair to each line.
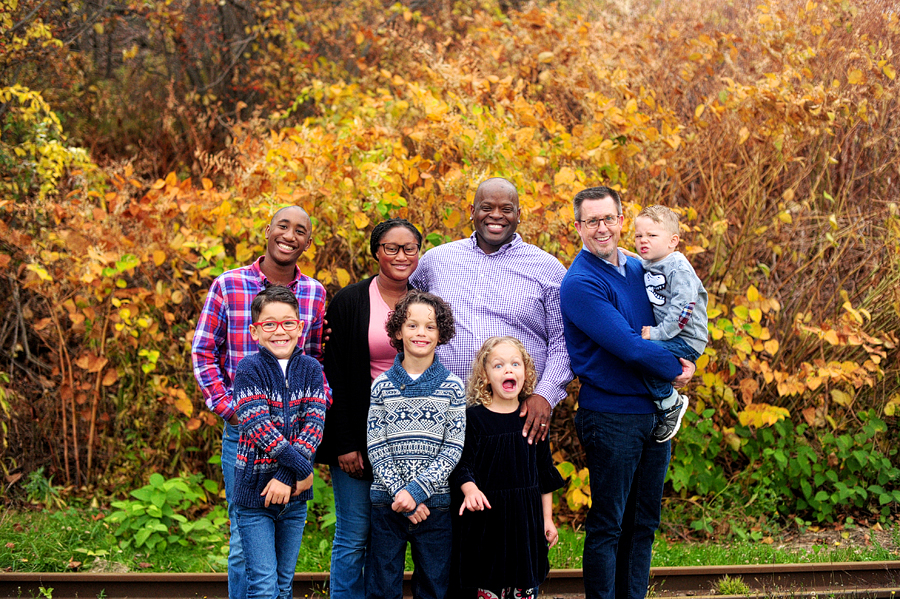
282, 213
495, 214
496, 186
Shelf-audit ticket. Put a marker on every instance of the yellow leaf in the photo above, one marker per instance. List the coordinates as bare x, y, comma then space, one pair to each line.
831, 337
184, 405
753, 293
755, 314
854, 76
841, 398
159, 257
702, 362
177, 297
343, 277
360, 220
741, 312
889, 71
771, 346
565, 176
785, 217
743, 135
545, 57
699, 110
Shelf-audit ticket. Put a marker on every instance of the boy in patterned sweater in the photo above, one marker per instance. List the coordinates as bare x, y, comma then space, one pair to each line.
281, 400
415, 434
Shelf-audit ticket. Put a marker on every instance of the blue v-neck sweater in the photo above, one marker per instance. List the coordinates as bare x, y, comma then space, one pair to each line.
603, 313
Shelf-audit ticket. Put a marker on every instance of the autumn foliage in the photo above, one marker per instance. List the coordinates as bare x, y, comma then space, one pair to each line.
772, 129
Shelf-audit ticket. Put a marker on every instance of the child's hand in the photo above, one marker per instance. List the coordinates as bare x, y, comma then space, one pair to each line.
276, 492
645, 333
403, 502
550, 533
302, 485
422, 513
475, 500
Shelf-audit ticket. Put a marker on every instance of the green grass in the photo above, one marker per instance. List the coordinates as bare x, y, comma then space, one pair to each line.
44, 541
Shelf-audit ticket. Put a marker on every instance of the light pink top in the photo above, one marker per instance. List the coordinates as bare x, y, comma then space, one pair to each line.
381, 354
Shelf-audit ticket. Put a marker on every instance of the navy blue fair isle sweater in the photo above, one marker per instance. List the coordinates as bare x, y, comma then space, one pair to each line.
603, 313
280, 419
415, 433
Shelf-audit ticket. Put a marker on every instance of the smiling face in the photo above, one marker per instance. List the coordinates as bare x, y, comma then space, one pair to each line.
651, 239
288, 236
398, 267
604, 240
280, 342
419, 332
495, 214
506, 373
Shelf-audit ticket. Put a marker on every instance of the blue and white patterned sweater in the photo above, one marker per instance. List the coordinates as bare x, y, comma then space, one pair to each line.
415, 433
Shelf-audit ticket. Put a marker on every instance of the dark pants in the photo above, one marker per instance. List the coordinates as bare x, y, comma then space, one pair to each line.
661, 390
627, 469
387, 551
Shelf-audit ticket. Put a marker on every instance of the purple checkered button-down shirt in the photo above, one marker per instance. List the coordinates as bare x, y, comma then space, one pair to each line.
513, 291
223, 338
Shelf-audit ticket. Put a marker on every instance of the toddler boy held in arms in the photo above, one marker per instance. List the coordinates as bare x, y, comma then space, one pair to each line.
679, 305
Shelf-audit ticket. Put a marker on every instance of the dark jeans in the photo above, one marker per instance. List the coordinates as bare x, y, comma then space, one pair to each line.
627, 469
661, 390
237, 575
387, 551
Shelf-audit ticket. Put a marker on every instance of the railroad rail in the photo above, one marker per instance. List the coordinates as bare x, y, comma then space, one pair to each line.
850, 579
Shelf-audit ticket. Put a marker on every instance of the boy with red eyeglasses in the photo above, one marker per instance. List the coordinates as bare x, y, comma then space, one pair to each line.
280, 407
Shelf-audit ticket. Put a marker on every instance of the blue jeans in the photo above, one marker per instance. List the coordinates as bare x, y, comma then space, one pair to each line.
271, 538
237, 578
661, 390
430, 552
351, 535
627, 469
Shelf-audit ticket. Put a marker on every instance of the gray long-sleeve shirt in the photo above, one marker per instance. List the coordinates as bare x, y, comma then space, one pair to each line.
679, 301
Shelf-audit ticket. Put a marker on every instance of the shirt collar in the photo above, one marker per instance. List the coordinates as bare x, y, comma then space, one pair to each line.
622, 260
256, 267
516, 240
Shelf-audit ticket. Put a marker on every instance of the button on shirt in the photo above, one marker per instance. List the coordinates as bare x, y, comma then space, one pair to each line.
513, 291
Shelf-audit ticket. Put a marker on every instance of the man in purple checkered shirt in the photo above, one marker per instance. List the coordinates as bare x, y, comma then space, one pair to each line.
499, 285
223, 338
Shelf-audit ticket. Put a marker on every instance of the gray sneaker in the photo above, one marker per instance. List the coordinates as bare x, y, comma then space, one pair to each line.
669, 422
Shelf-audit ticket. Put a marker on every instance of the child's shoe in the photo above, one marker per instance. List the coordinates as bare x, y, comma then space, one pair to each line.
669, 422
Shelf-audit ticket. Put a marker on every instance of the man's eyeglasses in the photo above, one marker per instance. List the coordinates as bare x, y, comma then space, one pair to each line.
592, 223
270, 326
392, 249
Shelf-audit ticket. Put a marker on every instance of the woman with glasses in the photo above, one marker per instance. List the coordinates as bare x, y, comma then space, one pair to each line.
357, 351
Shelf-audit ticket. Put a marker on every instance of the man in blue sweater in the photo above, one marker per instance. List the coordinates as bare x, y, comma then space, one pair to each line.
604, 306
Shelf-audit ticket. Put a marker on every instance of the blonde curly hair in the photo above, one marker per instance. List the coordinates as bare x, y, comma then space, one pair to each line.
478, 387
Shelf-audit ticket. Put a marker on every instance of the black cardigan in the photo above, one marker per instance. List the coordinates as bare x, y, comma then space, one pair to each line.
348, 370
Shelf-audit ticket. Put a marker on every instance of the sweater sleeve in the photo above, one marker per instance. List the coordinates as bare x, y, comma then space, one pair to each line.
600, 320
383, 466
684, 288
438, 472
256, 424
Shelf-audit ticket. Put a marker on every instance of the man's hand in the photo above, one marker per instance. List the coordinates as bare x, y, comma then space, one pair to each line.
302, 485
276, 492
403, 502
537, 424
233, 421
421, 514
687, 371
645, 333
326, 332
632, 255
351, 463
475, 501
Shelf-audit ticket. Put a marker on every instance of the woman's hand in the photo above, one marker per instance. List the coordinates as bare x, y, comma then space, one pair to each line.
351, 463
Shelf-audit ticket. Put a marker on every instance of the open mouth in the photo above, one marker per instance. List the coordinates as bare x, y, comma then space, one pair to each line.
284, 247
509, 385
495, 227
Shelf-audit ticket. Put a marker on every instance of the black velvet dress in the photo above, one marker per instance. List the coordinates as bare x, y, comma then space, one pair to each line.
504, 546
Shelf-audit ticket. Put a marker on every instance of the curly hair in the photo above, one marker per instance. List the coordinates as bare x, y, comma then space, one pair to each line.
443, 316
478, 387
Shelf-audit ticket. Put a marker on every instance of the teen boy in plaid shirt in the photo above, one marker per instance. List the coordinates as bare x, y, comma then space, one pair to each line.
223, 338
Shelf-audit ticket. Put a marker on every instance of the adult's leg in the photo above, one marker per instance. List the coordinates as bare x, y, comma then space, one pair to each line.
386, 557
237, 578
613, 445
351, 535
288, 536
640, 521
431, 555
260, 558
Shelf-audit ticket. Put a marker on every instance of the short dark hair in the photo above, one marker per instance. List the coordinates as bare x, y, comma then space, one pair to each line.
383, 227
595, 193
273, 294
443, 315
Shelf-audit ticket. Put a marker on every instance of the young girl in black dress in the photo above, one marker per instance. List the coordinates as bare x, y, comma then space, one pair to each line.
505, 524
